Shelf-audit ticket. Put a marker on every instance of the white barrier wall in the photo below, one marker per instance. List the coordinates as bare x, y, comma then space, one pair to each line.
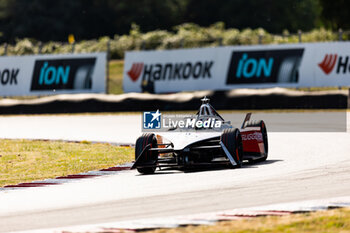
52, 74
229, 67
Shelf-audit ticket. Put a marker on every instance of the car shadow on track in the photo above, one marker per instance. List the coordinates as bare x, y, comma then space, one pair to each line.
246, 165
266, 162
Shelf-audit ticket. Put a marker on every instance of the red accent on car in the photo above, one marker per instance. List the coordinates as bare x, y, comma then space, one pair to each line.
251, 140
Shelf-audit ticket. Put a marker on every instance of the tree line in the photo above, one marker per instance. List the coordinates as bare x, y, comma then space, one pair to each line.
47, 20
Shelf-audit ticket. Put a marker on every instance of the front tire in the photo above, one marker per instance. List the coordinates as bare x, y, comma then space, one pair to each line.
151, 157
232, 139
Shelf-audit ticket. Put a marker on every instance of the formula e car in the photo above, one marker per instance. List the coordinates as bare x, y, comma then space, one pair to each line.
187, 149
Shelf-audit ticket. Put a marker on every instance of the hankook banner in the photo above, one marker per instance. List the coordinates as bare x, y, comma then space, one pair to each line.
52, 74
229, 67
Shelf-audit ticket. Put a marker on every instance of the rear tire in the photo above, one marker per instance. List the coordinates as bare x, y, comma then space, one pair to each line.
262, 126
151, 157
232, 139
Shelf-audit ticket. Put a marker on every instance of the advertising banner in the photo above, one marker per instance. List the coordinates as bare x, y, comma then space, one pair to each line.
52, 74
229, 67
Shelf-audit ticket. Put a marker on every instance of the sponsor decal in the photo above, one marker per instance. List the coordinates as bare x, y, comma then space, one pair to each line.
63, 74
8, 76
331, 61
152, 120
135, 71
328, 63
264, 66
253, 136
159, 72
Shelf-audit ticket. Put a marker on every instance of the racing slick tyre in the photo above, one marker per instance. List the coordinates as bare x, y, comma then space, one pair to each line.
150, 158
232, 139
262, 126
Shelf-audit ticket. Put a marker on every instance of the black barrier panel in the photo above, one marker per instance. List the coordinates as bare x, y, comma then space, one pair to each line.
320, 120
264, 66
221, 101
63, 74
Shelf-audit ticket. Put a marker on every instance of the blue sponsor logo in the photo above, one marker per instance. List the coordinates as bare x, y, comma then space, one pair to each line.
63, 74
152, 120
251, 67
53, 75
264, 66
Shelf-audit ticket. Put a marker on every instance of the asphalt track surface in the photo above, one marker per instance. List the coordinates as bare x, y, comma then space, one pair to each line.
301, 166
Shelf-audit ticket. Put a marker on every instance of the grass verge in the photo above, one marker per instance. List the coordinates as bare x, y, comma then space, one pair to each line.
26, 160
336, 220
115, 81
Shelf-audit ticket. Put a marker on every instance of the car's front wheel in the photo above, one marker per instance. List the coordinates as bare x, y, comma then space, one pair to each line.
232, 140
149, 159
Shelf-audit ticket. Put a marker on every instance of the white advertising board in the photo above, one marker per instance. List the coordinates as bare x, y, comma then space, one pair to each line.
52, 74
229, 67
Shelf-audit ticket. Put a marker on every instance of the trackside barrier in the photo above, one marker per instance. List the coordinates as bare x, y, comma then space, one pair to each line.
52, 74
275, 98
235, 67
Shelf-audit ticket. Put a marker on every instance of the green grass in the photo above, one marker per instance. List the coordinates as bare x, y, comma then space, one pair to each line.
26, 160
337, 220
115, 82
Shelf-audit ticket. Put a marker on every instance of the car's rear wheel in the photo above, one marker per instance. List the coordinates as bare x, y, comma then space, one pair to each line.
262, 126
264, 134
232, 140
263, 129
149, 159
